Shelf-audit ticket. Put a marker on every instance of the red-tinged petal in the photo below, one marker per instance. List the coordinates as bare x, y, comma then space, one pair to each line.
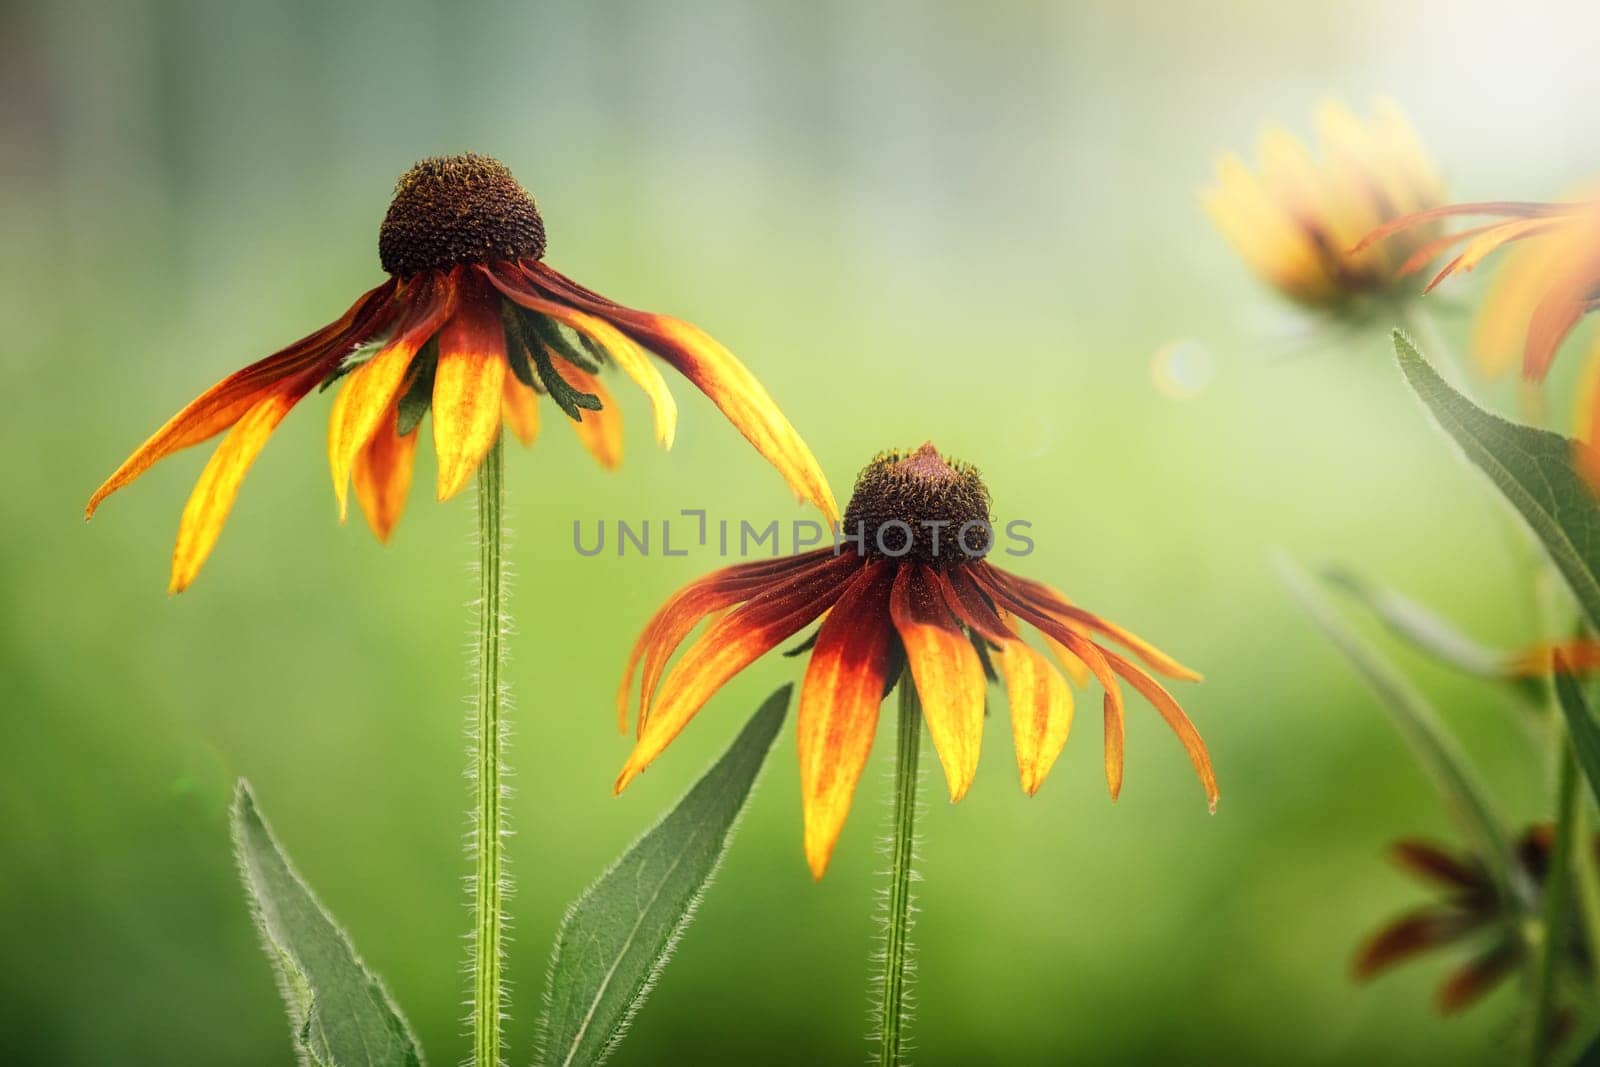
1478, 978
600, 432
839, 703
1430, 250
1179, 723
468, 388
946, 670
728, 647
685, 609
1041, 710
1091, 655
623, 352
1407, 937
226, 402
1052, 602
370, 391
1555, 316
1436, 865
382, 475
520, 408
214, 493
972, 607
1510, 208
717, 373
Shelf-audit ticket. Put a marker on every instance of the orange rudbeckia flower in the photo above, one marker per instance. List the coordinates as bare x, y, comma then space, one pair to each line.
908, 589
1295, 219
474, 326
1540, 296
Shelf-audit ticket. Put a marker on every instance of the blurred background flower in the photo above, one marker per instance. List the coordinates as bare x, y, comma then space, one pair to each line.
1296, 219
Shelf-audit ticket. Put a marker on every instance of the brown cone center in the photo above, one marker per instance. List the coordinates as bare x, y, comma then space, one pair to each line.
449, 210
917, 505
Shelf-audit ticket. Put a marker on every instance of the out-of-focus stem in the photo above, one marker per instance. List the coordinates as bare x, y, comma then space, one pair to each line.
1553, 925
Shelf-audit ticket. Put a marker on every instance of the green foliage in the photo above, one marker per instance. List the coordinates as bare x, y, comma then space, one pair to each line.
616, 938
339, 1011
1533, 468
1434, 746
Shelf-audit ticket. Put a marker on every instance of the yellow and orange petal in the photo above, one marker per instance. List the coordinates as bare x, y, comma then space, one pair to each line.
946, 671
844, 685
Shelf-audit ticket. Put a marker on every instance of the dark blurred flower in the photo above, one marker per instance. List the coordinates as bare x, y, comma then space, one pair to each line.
909, 587
1295, 221
1470, 909
472, 325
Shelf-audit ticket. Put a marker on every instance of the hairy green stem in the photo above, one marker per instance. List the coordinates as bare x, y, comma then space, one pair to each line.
489, 881
1553, 925
897, 934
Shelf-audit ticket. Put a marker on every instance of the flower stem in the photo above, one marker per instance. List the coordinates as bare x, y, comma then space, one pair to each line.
489, 880
1553, 925
897, 934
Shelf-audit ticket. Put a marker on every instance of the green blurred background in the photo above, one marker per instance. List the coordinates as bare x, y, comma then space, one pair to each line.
975, 223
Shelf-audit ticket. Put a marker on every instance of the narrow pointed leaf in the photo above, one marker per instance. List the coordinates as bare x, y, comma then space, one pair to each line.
1581, 726
340, 1014
1421, 627
1433, 745
616, 938
1533, 468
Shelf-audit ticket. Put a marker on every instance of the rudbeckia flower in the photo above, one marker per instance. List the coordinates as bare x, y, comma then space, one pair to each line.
473, 326
1470, 908
907, 588
1548, 282
1295, 220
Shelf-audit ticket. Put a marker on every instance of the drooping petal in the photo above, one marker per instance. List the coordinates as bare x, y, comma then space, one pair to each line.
717, 373
621, 350
685, 609
600, 432
468, 388
972, 607
839, 703
1177, 721
1407, 937
1504, 208
1041, 710
370, 391
382, 475
520, 408
1472, 982
1436, 865
730, 645
214, 493
1081, 648
946, 670
226, 402
1052, 602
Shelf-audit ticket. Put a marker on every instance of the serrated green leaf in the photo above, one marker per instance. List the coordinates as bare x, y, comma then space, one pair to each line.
339, 1012
1533, 468
617, 937
1433, 745
1581, 727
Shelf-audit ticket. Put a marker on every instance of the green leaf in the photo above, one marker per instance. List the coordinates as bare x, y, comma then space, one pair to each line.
1581, 727
340, 1013
1533, 468
1421, 627
616, 938
1433, 745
